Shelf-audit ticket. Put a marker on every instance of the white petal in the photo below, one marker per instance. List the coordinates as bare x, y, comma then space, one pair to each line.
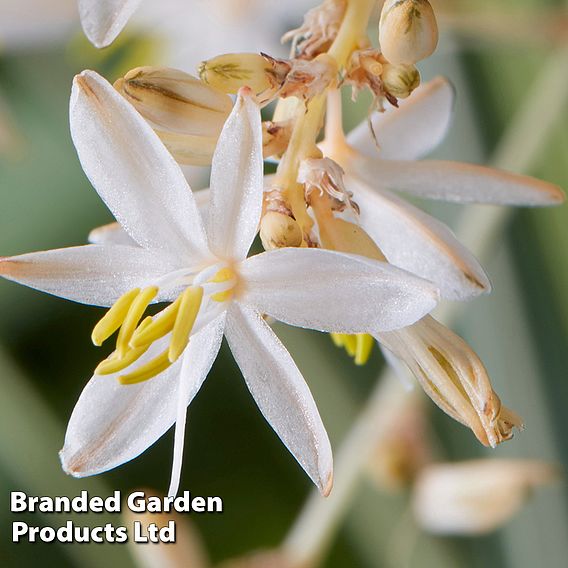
91, 274
114, 234
113, 423
417, 242
455, 181
236, 182
331, 291
132, 171
103, 20
411, 131
111, 234
280, 392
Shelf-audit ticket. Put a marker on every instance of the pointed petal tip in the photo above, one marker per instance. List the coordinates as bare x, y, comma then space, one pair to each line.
325, 489
8, 266
557, 195
70, 466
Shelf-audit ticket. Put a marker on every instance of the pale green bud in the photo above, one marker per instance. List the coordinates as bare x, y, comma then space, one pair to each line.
400, 80
229, 72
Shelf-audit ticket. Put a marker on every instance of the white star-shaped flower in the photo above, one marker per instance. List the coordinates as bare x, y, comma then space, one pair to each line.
167, 254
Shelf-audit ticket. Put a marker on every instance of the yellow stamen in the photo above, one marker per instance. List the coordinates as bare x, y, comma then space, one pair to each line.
187, 314
364, 347
156, 328
337, 339
147, 371
222, 275
133, 316
222, 296
115, 363
350, 344
113, 319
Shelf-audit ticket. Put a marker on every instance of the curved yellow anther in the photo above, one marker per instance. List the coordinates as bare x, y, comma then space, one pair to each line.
147, 371
350, 344
135, 313
223, 275
116, 363
157, 328
364, 347
186, 316
222, 296
114, 317
337, 339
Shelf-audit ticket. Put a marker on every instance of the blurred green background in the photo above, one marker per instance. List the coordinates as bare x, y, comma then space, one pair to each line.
520, 331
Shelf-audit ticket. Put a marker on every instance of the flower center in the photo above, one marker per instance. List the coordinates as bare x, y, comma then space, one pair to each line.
201, 296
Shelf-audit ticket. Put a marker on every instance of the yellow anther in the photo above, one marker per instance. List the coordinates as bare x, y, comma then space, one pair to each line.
156, 328
114, 317
115, 363
350, 344
364, 347
135, 313
187, 314
147, 371
337, 339
223, 275
223, 296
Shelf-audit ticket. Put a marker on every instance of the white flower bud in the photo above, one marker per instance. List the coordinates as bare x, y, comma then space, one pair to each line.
400, 80
475, 497
278, 230
174, 101
408, 31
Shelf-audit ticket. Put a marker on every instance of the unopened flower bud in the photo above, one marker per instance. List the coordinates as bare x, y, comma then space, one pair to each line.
187, 149
174, 101
228, 73
408, 31
475, 497
453, 377
400, 80
278, 230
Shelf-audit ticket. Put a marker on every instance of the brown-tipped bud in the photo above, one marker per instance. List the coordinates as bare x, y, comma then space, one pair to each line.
453, 377
408, 31
278, 230
475, 497
400, 80
229, 72
174, 101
